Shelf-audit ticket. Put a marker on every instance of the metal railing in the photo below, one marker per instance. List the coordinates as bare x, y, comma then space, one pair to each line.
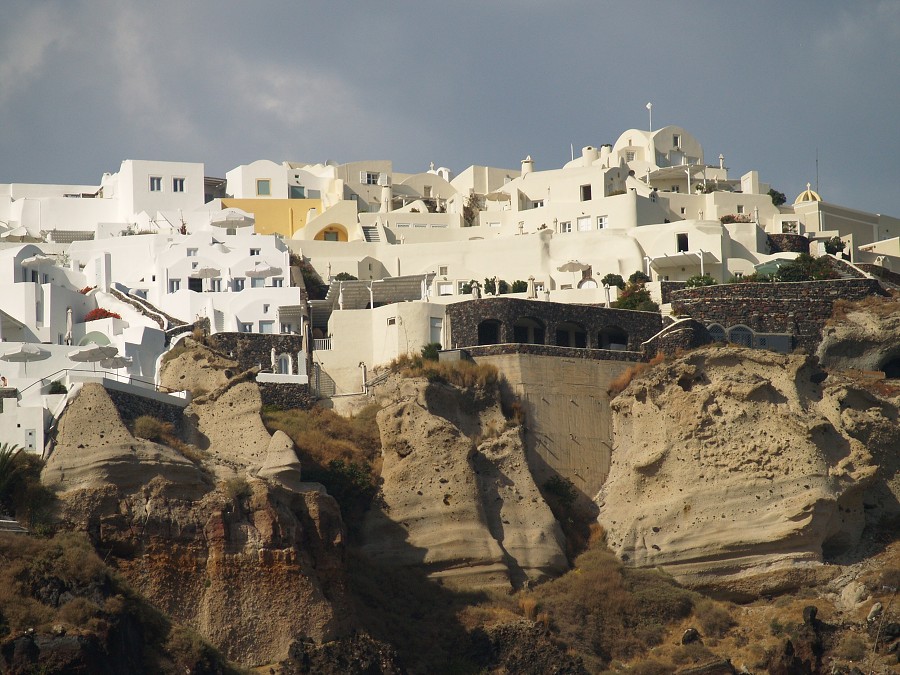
321, 344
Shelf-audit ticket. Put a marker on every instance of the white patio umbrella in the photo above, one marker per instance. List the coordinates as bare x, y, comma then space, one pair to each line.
116, 362
261, 270
25, 353
532, 290
93, 354
573, 266
205, 273
20, 234
69, 324
231, 217
37, 260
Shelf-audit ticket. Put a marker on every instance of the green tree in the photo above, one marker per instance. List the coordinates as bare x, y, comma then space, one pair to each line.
613, 280
519, 286
10, 468
638, 278
778, 198
472, 206
345, 276
834, 245
635, 296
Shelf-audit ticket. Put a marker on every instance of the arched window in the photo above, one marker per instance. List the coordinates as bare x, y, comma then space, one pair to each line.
529, 330
716, 332
741, 335
285, 364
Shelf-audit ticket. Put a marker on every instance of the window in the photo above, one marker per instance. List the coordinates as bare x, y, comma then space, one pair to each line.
683, 210
296, 192
237, 284
263, 187
267, 327
257, 282
601, 222
629, 156
246, 327
585, 193
277, 282
427, 191
255, 251
565, 226
215, 285
191, 252
674, 188
392, 321
195, 265
330, 235
676, 140
178, 185
174, 285
681, 241
538, 286
442, 270
369, 177
155, 183
584, 224
287, 328
265, 309
444, 288
740, 208
494, 224
537, 204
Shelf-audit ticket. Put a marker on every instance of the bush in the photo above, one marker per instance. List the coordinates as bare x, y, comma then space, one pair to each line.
519, 286
851, 647
834, 245
237, 488
715, 620
636, 297
613, 280
697, 281
806, 268
561, 490
430, 351
638, 278
57, 387
100, 313
152, 428
778, 198
464, 374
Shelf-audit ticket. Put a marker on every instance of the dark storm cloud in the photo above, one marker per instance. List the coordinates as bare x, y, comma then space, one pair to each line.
84, 85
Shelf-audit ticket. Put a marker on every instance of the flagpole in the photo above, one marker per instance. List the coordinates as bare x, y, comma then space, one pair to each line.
650, 112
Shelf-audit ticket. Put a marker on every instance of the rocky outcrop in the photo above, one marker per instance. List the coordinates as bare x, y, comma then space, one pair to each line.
233, 545
731, 462
458, 495
862, 336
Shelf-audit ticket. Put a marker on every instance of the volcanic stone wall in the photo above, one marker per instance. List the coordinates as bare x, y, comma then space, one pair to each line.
255, 349
286, 396
465, 317
799, 308
788, 243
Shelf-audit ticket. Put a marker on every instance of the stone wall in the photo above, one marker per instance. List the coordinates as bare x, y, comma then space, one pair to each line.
465, 317
286, 396
788, 243
880, 272
132, 406
553, 350
666, 288
255, 349
799, 308
682, 336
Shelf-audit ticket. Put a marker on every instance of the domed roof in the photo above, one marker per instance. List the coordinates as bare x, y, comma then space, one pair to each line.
808, 195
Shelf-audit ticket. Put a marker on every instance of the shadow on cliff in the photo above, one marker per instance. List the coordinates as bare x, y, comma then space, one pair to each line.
401, 605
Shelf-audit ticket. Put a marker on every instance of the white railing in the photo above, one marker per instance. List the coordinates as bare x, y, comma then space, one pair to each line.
322, 344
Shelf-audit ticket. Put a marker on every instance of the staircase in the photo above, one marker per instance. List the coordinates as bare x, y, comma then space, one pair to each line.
371, 233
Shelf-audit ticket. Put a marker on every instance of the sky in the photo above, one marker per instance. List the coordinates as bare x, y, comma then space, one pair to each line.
773, 86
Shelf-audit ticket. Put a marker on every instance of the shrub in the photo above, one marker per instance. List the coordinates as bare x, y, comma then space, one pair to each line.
345, 276
834, 245
100, 313
697, 281
57, 387
462, 374
561, 490
715, 620
237, 488
851, 647
806, 268
152, 428
613, 280
430, 351
519, 286
636, 297
778, 198
638, 278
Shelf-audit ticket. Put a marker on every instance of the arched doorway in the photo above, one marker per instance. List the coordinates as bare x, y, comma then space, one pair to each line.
741, 335
489, 332
529, 330
571, 334
716, 332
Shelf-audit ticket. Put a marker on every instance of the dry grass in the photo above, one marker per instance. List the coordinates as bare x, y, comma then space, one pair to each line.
875, 305
618, 385
465, 374
164, 433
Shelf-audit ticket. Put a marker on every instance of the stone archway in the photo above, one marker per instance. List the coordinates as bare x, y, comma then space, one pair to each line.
489, 332
571, 334
529, 330
612, 337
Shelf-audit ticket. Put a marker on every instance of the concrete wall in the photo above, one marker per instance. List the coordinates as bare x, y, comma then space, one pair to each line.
568, 427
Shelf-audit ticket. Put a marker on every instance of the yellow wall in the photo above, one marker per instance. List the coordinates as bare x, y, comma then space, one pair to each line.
274, 216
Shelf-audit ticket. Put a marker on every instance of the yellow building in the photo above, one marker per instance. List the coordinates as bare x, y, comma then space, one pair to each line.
277, 216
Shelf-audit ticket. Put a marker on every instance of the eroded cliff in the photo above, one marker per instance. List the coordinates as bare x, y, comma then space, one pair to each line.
730, 462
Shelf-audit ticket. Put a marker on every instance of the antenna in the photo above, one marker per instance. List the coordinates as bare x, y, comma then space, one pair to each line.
817, 169
572, 151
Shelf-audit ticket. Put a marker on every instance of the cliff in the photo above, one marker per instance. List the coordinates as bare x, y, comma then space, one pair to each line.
729, 463
458, 495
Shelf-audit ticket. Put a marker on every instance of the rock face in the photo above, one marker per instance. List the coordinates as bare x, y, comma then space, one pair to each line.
731, 462
863, 337
458, 494
251, 564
